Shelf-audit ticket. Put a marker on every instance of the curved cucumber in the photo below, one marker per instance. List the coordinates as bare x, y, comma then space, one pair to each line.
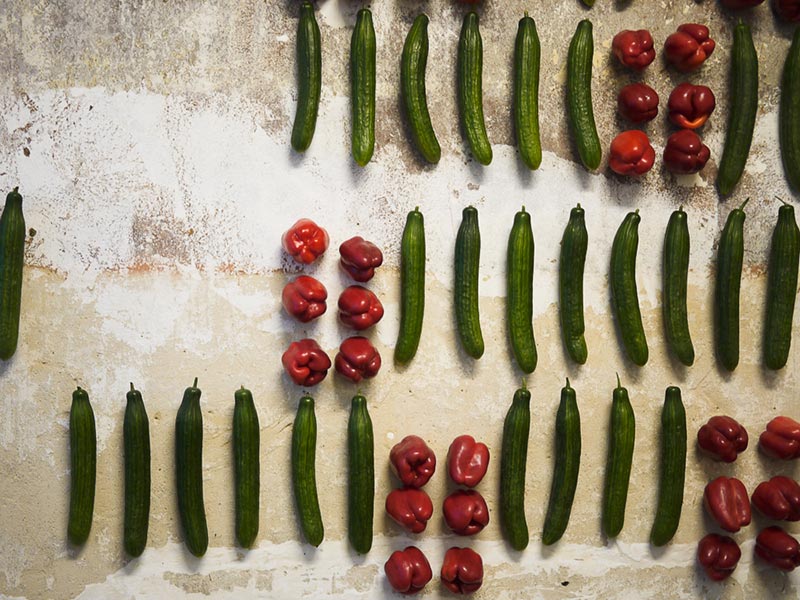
304, 473
520, 292
624, 293
676, 275
468, 254
470, 89
527, 55
412, 287
579, 95
730, 257
513, 461
362, 76
620, 460
574, 245
136, 435
309, 78
789, 116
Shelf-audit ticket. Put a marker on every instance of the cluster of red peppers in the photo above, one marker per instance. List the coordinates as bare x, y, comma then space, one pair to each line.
305, 299
689, 105
727, 502
465, 512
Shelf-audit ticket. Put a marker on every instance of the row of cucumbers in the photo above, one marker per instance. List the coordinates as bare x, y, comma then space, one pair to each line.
782, 273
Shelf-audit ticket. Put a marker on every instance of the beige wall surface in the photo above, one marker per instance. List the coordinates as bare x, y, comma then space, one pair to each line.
150, 140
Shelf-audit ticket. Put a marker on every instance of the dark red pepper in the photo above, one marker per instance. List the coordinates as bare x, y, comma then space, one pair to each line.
723, 438
465, 512
408, 571
778, 498
685, 153
689, 47
467, 461
778, 548
305, 362
781, 439
631, 153
727, 502
638, 102
740, 4
634, 49
360, 258
787, 10
305, 241
358, 359
690, 105
413, 461
304, 298
411, 508
462, 570
718, 555
359, 308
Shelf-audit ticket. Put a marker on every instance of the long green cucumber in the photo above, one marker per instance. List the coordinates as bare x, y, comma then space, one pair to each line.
730, 257
136, 436
579, 95
470, 89
527, 56
246, 443
12, 258
789, 115
624, 293
519, 303
620, 459
362, 80
309, 78
467, 261
304, 473
513, 461
412, 287
361, 475
676, 275
83, 467
574, 244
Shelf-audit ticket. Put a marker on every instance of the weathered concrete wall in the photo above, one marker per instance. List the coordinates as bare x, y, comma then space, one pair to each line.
150, 140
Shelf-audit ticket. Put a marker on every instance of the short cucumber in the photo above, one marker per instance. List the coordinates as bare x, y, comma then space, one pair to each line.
412, 287
12, 258
246, 442
304, 475
83, 467
624, 293
136, 435
361, 475
789, 115
362, 80
676, 275
579, 95
513, 461
470, 89
574, 245
730, 257
467, 260
527, 55
620, 459
309, 78
519, 277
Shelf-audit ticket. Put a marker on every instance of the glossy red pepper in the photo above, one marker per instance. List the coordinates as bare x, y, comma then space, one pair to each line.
360, 258
689, 47
778, 498
781, 439
357, 359
467, 461
718, 555
411, 508
462, 570
359, 308
305, 241
413, 461
631, 153
638, 102
305, 362
787, 10
690, 105
408, 571
304, 298
723, 438
727, 502
685, 153
634, 49
778, 548
740, 4
465, 512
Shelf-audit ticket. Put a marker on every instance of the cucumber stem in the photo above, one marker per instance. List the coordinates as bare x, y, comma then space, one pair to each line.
743, 204
782, 201
568, 383
619, 385
194, 385
132, 388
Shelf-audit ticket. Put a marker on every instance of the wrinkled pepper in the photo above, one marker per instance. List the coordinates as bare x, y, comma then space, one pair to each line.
408, 571
360, 258
411, 508
787, 10
467, 461
778, 548
305, 362
638, 102
462, 570
718, 555
778, 498
689, 47
740, 4
357, 359
727, 502
685, 153
359, 308
723, 438
781, 439
634, 49
465, 512
412, 461
690, 105
631, 153
304, 298
305, 241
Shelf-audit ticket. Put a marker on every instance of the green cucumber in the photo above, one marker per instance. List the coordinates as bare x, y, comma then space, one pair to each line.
676, 275
246, 442
362, 80
309, 78
624, 294
519, 277
579, 96
470, 89
574, 244
730, 257
789, 115
620, 459
304, 473
513, 461
12, 259
412, 287
527, 55
361, 475
467, 261
136, 435
83, 467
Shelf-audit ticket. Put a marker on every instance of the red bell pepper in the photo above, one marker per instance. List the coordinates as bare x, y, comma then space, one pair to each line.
787, 10
358, 359
689, 47
413, 461
685, 153
359, 308
360, 258
778, 548
727, 502
408, 571
465, 512
718, 555
690, 106
631, 153
462, 570
634, 49
305, 241
305, 362
411, 508
781, 439
778, 498
740, 4
638, 102
304, 298
467, 461
723, 438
